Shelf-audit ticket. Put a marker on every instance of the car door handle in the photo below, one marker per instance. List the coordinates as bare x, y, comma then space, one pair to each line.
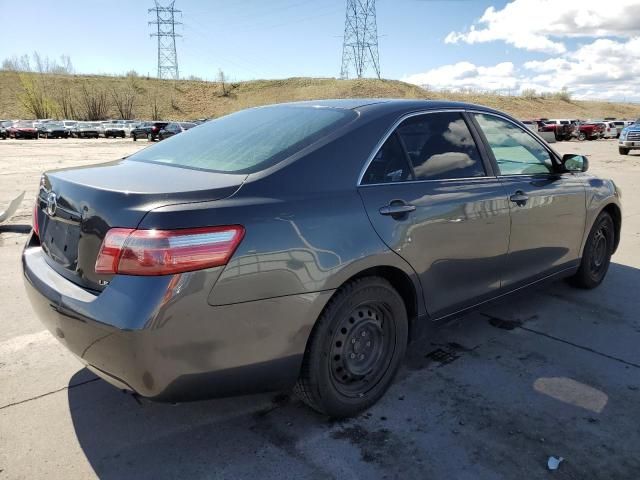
519, 198
397, 209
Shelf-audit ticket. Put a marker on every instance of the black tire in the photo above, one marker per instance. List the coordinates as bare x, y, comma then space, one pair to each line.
623, 151
597, 253
135, 139
342, 374
582, 136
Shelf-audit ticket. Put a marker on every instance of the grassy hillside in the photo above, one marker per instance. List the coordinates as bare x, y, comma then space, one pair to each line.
188, 99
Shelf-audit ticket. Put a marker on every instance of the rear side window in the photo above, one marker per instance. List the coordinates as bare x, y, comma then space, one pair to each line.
389, 165
247, 141
440, 146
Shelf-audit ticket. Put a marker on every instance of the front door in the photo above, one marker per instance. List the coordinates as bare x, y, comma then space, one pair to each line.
430, 197
548, 211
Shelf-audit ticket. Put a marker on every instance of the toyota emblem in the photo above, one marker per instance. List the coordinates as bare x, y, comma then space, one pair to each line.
52, 204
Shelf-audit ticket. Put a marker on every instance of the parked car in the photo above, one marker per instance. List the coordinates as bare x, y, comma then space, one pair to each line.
620, 124
41, 127
174, 128
148, 130
4, 125
55, 130
129, 126
590, 131
114, 130
69, 125
629, 138
610, 130
22, 129
86, 130
295, 245
563, 128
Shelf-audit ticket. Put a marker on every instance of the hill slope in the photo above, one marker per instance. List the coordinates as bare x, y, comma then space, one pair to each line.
187, 99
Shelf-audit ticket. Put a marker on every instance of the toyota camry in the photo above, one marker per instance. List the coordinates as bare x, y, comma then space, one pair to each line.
304, 245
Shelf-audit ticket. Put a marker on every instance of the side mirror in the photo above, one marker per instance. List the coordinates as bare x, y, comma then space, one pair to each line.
575, 163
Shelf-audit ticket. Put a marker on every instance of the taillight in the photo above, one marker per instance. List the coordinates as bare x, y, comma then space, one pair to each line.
36, 227
154, 128
127, 251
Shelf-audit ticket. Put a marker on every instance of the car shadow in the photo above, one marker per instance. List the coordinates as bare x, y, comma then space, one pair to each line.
123, 436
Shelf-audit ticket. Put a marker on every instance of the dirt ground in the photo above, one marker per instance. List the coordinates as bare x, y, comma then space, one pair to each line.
553, 371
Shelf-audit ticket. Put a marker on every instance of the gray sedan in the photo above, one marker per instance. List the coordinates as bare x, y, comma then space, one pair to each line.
303, 245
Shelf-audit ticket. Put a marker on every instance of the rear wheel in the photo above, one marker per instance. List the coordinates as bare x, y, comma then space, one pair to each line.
597, 253
623, 151
355, 348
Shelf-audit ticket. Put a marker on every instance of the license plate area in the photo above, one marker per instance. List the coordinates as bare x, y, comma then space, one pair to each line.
60, 242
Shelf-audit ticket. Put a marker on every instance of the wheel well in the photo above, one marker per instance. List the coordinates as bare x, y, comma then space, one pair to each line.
613, 210
403, 285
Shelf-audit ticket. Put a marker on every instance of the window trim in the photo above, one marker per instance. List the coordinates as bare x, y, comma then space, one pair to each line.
471, 125
555, 160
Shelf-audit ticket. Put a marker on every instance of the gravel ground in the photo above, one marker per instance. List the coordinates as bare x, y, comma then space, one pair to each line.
553, 371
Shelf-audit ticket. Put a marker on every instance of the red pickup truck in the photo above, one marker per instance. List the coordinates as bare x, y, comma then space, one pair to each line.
591, 131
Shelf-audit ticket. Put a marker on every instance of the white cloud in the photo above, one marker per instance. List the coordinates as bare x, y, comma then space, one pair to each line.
603, 69
467, 75
539, 25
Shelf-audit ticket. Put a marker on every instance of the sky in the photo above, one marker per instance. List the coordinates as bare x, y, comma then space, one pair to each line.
590, 47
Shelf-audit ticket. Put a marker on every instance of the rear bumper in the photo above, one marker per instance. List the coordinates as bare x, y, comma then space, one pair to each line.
158, 336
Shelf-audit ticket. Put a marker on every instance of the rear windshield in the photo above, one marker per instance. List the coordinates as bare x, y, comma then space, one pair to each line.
247, 141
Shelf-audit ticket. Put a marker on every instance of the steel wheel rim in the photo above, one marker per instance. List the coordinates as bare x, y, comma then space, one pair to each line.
361, 349
599, 251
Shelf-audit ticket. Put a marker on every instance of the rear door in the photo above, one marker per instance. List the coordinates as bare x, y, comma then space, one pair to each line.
548, 210
434, 200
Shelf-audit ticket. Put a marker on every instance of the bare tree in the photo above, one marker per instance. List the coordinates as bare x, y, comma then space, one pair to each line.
34, 96
153, 106
222, 80
94, 102
38, 64
124, 99
65, 100
17, 64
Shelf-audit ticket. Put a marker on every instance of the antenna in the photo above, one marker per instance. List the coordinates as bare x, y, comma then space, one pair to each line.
360, 44
166, 32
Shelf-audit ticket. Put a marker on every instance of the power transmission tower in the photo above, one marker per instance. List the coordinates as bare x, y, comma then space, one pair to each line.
360, 45
165, 23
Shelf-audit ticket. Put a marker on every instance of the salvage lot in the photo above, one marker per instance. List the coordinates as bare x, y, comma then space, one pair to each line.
554, 371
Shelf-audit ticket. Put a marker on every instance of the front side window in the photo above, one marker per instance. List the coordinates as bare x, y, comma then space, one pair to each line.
516, 152
440, 146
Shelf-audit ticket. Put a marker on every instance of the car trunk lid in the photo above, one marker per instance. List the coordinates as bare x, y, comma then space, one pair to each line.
76, 207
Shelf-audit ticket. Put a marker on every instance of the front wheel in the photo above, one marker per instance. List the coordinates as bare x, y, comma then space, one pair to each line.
623, 151
597, 253
582, 136
355, 348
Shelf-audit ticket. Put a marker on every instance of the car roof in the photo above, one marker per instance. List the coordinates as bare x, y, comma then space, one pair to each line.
390, 105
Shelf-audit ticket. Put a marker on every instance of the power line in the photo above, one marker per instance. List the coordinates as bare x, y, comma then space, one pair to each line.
360, 44
165, 23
